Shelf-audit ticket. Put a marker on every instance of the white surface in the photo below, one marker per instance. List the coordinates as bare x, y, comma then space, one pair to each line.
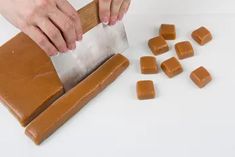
183, 121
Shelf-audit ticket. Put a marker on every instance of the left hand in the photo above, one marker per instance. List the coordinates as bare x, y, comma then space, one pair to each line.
111, 11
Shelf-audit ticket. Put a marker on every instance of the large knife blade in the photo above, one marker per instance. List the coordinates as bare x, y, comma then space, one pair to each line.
99, 43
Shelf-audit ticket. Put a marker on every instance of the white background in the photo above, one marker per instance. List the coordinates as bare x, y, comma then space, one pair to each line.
183, 121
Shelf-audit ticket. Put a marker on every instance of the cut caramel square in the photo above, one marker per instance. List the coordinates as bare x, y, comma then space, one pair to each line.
172, 67
201, 77
167, 31
145, 90
148, 65
158, 45
202, 36
184, 50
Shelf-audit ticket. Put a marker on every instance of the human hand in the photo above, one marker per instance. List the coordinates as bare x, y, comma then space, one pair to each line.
111, 11
53, 24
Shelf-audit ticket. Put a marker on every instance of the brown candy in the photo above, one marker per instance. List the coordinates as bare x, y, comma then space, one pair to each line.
184, 49
167, 31
158, 45
148, 65
28, 80
201, 77
145, 90
72, 101
171, 67
202, 36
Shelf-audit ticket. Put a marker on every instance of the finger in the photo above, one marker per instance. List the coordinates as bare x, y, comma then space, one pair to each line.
68, 9
37, 35
124, 8
104, 10
66, 26
115, 7
53, 33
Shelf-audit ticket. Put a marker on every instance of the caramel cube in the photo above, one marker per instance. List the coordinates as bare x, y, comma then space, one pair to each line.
148, 65
171, 67
145, 90
167, 31
184, 50
202, 36
158, 45
201, 77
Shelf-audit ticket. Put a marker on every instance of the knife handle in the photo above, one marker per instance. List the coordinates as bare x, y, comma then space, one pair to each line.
89, 16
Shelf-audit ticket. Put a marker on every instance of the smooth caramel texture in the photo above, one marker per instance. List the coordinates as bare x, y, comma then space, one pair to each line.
148, 65
167, 31
158, 45
202, 36
28, 80
172, 67
145, 90
201, 77
72, 101
184, 50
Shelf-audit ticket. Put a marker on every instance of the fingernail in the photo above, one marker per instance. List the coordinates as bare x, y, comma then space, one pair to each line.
72, 46
120, 17
105, 20
79, 37
113, 20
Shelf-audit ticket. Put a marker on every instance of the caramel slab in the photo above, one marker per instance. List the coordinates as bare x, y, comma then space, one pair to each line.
145, 90
171, 67
202, 36
72, 101
158, 45
184, 50
28, 80
201, 77
148, 65
167, 31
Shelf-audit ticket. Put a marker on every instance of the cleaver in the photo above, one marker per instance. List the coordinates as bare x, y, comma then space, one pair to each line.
99, 43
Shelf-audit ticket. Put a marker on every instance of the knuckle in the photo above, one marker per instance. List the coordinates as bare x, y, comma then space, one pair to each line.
54, 34
68, 26
42, 3
74, 16
105, 1
42, 42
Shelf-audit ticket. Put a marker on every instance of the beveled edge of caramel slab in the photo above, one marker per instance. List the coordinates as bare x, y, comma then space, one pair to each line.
168, 35
72, 101
188, 54
148, 70
169, 72
158, 49
25, 66
202, 40
197, 81
152, 91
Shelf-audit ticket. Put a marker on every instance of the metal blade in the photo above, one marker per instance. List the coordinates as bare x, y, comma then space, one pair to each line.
97, 45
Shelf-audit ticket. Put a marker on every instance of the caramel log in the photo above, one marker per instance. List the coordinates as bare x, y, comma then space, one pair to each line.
28, 80
70, 103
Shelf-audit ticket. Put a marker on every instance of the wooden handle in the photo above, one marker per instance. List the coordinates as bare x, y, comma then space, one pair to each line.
89, 16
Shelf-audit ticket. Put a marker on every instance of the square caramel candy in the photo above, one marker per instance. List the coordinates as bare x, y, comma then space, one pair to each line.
145, 90
148, 65
167, 31
158, 45
184, 49
171, 67
201, 77
202, 36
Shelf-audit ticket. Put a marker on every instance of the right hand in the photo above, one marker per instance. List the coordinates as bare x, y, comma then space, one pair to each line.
53, 24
